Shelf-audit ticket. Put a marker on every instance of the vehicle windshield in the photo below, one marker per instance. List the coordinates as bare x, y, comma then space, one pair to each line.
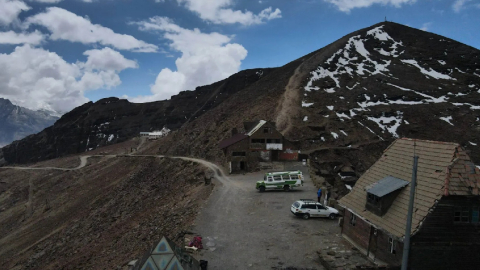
296, 204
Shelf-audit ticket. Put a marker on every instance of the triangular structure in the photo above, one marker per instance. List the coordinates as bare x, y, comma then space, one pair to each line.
167, 256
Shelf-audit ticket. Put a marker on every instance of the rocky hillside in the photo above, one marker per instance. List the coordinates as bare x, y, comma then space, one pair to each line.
371, 86
17, 122
114, 120
99, 217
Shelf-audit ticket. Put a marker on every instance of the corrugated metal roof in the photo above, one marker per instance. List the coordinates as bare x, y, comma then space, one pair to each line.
256, 127
442, 171
386, 185
234, 139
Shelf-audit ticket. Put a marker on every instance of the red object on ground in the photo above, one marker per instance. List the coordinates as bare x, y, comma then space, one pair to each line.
197, 242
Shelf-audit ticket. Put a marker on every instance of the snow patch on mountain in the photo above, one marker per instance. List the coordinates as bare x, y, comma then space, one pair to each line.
447, 119
432, 73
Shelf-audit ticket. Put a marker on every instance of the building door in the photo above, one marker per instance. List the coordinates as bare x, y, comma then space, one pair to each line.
242, 165
372, 245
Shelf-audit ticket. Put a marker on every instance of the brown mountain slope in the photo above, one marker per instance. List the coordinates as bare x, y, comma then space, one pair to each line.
99, 217
373, 85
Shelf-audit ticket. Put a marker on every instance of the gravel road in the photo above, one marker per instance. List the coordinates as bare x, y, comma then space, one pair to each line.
245, 229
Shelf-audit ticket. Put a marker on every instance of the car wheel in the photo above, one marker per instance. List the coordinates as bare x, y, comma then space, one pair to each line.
286, 188
262, 189
331, 216
306, 216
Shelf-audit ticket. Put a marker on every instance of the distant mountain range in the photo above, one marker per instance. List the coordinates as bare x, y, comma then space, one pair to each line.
17, 122
374, 85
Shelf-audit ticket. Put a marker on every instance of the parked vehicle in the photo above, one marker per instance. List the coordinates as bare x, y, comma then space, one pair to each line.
281, 180
307, 208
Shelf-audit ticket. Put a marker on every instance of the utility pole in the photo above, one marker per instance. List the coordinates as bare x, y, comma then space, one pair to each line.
408, 229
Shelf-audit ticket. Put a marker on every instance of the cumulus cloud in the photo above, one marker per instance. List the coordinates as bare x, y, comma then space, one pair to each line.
206, 58
458, 5
11, 37
107, 59
220, 12
38, 79
47, 1
10, 9
426, 26
347, 5
65, 25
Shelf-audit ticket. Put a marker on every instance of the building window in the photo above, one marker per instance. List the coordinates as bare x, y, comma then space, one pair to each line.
274, 141
258, 140
475, 215
238, 154
266, 130
373, 199
391, 245
353, 219
461, 215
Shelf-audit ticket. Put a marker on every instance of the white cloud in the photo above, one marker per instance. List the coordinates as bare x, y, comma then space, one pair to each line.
426, 26
206, 58
219, 12
11, 37
458, 5
65, 25
38, 79
107, 59
347, 5
10, 9
47, 1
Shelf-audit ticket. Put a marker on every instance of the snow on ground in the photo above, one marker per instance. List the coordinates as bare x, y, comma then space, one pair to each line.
371, 131
343, 115
344, 133
447, 119
429, 98
305, 104
346, 64
406, 122
335, 135
352, 86
432, 73
322, 138
460, 71
390, 123
472, 143
305, 118
443, 63
330, 90
111, 137
472, 86
472, 107
330, 108
348, 187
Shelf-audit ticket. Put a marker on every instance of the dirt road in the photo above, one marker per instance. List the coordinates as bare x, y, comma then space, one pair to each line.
245, 229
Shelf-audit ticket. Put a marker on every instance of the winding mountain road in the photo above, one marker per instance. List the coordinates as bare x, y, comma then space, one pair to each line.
217, 171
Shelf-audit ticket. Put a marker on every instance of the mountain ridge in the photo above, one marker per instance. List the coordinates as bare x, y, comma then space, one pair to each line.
375, 84
17, 122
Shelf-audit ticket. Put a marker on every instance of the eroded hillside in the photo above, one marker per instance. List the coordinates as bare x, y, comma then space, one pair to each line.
98, 217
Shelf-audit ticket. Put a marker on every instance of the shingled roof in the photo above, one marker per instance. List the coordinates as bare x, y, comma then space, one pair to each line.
443, 169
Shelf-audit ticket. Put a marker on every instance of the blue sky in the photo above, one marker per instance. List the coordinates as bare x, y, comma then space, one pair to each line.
58, 54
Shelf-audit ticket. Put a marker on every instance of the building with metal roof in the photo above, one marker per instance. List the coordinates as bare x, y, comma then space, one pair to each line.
261, 142
445, 226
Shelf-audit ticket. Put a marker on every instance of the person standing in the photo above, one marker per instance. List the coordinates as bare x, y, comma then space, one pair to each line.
319, 194
327, 196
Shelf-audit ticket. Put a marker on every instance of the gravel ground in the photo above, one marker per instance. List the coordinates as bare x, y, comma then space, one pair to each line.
245, 229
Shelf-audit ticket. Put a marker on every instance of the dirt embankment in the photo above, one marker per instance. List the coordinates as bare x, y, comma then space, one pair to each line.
98, 217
